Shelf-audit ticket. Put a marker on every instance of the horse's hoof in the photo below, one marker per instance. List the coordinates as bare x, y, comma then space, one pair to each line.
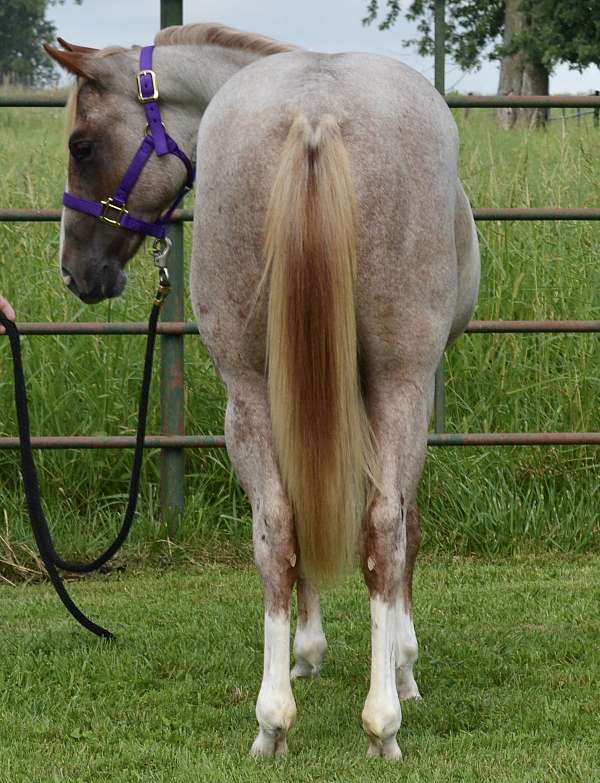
266, 746
263, 746
406, 686
407, 691
385, 749
304, 670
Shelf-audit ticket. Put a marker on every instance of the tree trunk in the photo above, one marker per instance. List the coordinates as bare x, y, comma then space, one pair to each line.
519, 76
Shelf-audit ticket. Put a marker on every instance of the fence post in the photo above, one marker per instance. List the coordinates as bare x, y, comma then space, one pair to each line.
596, 111
440, 68
172, 467
467, 110
440, 46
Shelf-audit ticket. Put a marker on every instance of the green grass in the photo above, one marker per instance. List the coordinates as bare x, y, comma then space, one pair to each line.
508, 670
490, 501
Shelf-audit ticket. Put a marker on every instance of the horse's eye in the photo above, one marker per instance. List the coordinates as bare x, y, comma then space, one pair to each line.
81, 150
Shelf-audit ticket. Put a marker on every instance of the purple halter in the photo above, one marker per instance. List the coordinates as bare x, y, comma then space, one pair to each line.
112, 210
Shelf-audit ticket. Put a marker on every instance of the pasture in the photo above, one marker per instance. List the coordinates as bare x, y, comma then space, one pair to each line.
508, 646
492, 501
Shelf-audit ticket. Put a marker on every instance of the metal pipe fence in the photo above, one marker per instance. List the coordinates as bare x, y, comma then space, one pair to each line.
485, 213
172, 441
453, 101
576, 116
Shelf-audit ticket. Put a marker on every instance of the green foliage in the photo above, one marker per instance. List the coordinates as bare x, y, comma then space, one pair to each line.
23, 30
393, 12
509, 669
567, 32
556, 32
470, 26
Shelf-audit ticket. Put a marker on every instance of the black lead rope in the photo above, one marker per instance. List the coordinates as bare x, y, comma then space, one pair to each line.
39, 524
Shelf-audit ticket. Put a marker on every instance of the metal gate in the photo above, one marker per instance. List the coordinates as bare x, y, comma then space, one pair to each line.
173, 440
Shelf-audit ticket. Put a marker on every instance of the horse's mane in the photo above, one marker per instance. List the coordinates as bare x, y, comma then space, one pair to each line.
220, 35
190, 34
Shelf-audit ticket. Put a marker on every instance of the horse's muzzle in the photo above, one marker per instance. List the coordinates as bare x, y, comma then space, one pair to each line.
107, 283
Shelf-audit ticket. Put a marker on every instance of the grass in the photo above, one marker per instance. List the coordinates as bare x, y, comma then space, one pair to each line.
493, 501
508, 670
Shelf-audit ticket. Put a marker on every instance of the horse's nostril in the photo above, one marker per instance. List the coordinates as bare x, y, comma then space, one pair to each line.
112, 281
69, 280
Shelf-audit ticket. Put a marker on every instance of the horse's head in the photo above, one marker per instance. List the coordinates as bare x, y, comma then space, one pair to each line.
105, 124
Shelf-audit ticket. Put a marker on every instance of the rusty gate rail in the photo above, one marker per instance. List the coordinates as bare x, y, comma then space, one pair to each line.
178, 442
454, 101
485, 213
190, 327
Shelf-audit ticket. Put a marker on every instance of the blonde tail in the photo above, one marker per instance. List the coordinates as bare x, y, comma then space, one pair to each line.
321, 432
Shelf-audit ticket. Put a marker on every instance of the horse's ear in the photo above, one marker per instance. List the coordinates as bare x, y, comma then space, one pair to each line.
75, 62
74, 47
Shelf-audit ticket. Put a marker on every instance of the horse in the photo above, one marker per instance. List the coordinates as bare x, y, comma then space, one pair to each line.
334, 259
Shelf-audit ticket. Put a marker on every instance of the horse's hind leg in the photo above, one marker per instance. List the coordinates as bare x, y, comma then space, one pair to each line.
406, 639
310, 644
248, 435
398, 412
407, 649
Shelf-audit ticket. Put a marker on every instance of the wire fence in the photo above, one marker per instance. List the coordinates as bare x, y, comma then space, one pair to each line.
577, 116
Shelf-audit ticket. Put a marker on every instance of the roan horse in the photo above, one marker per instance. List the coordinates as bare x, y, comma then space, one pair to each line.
334, 259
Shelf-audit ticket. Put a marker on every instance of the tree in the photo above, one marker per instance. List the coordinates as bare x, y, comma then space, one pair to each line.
23, 29
529, 37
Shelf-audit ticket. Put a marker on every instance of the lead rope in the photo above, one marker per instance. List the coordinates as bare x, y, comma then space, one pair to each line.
39, 524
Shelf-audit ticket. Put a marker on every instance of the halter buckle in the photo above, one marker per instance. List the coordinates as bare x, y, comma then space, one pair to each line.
108, 205
148, 131
147, 98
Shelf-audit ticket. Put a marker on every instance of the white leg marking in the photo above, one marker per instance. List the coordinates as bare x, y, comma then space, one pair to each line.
275, 707
310, 643
406, 654
381, 714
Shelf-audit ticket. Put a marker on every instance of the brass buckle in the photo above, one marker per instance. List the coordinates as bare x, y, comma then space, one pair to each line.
109, 204
147, 98
164, 287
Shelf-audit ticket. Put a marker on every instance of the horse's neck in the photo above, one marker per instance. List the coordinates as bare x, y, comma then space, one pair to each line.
188, 78
197, 72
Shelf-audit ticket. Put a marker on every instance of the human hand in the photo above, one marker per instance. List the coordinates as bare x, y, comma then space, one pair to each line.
6, 309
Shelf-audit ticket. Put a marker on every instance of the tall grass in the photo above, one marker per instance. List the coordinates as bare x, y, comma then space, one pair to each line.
492, 500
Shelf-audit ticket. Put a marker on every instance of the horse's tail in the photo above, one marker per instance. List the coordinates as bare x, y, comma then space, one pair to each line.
321, 433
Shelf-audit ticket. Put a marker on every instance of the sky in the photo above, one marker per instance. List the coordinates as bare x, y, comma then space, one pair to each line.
321, 25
